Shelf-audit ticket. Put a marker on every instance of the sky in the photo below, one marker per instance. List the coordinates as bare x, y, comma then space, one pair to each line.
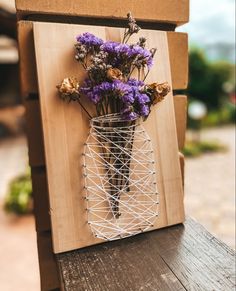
212, 26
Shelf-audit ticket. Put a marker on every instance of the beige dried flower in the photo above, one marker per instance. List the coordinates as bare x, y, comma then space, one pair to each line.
158, 91
114, 74
69, 89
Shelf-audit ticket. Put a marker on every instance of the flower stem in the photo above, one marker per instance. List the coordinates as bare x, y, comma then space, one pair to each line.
82, 106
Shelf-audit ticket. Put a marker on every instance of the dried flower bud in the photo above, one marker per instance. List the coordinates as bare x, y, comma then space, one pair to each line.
81, 52
114, 74
69, 89
133, 27
158, 91
142, 42
153, 51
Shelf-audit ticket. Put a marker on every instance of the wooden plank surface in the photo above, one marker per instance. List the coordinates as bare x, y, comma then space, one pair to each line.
182, 257
34, 133
49, 273
170, 11
178, 52
180, 103
65, 130
41, 199
28, 74
182, 167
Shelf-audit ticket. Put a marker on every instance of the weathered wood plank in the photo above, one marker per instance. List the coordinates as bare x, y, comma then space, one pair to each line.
129, 264
198, 259
155, 10
41, 202
193, 260
49, 273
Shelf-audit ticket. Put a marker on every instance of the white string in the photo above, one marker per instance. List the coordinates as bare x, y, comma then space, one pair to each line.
120, 178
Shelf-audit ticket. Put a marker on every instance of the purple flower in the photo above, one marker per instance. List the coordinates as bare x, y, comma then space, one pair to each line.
144, 110
132, 115
150, 62
128, 97
89, 40
129, 113
142, 98
115, 89
94, 97
123, 49
142, 56
136, 50
109, 46
136, 83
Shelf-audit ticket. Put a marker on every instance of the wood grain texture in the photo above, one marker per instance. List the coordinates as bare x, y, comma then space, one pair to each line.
155, 10
49, 273
28, 74
65, 129
34, 133
182, 167
198, 259
178, 52
41, 199
180, 103
182, 257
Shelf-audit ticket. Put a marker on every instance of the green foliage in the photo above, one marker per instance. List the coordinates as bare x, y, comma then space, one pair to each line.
224, 115
196, 148
207, 79
19, 197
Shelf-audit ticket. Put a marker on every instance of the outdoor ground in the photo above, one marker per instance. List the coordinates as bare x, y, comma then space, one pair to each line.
209, 197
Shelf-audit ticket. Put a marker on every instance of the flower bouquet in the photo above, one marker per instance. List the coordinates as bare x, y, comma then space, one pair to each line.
118, 145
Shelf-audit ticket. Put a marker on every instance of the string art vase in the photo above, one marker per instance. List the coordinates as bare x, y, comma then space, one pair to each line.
119, 177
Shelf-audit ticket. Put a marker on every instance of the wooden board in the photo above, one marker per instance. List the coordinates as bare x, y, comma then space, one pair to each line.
65, 129
180, 103
170, 11
41, 199
49, 273
34, 133
183, 257
178, 52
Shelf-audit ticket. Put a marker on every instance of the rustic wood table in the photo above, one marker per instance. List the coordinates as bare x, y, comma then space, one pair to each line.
181, 257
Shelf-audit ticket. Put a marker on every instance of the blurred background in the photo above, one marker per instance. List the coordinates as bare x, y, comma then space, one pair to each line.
209, 149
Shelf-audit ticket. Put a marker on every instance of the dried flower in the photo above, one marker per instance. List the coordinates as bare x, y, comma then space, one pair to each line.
114, 74
133, 27
109, 66
158, 91
142, 42
69, 89
81, 52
